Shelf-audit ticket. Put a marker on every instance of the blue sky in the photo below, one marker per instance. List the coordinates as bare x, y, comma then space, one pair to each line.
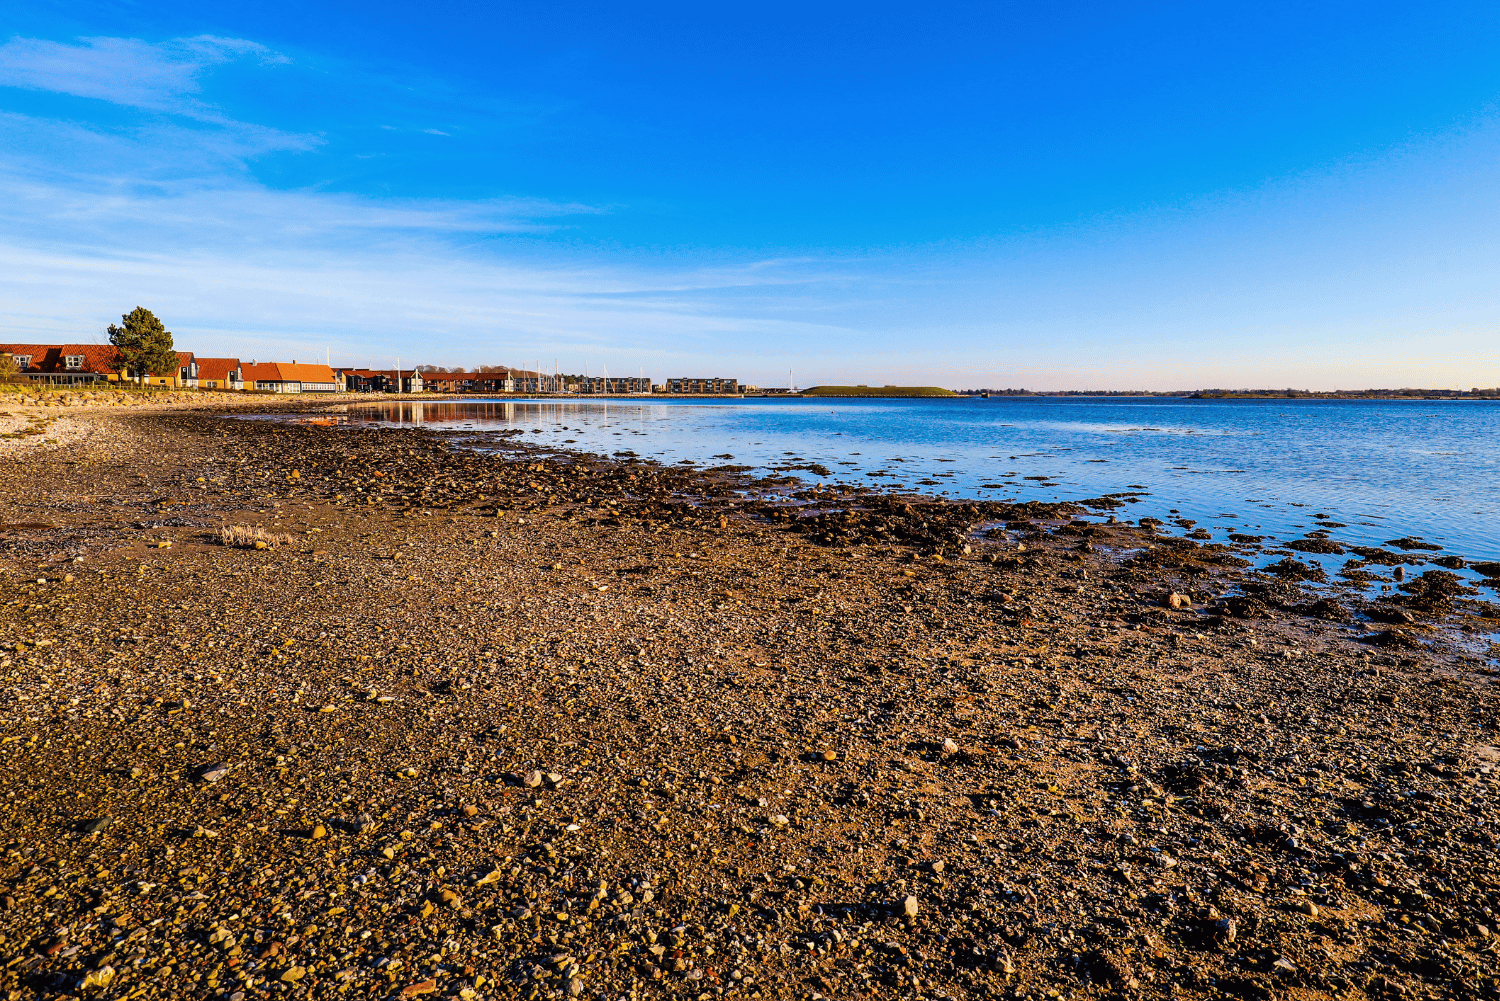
1048, 195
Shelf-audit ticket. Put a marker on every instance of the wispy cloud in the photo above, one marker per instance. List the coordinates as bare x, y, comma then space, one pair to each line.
372, 294
192, 190
162, 76
170, 215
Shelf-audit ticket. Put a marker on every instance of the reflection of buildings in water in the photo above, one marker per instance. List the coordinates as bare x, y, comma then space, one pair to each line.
539, 415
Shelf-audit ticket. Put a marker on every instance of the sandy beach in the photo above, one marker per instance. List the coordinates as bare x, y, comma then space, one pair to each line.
506, 726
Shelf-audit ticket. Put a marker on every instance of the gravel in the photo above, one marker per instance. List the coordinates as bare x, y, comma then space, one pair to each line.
515, 725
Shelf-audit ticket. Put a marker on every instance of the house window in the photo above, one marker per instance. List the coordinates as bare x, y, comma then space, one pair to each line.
23, 362
74, 362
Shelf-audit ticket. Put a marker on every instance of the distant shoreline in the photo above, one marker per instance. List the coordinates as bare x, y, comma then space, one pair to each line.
1251, 394
23, 390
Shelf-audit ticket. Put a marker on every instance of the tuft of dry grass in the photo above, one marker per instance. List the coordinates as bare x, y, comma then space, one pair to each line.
252, 537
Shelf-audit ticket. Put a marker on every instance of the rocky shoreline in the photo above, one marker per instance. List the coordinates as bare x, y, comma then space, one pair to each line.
507, 725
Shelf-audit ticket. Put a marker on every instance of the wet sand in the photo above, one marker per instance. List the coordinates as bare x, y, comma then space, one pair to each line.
504, 726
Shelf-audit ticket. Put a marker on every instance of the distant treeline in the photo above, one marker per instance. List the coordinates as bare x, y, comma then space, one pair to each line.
1072, 392
1348, 394
1258, 394
877, 391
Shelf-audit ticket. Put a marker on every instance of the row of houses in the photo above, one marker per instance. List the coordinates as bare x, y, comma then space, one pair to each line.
519, 381
499, 381
81, 364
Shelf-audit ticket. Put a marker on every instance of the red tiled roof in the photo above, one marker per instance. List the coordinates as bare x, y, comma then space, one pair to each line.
217, 369
52, 357
308, 373
287, 372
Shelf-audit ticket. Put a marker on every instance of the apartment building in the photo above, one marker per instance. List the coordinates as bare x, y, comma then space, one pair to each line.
614, 386
703, 387
367, 380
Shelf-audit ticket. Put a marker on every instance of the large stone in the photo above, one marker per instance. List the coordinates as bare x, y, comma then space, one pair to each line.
214, 773
99, 979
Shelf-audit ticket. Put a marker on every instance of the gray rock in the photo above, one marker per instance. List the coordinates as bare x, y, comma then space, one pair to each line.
214, 773
909, 907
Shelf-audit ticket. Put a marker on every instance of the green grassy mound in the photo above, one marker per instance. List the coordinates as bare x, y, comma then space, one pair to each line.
877, 391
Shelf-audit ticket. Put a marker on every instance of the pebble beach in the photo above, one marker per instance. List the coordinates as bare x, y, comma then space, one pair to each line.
505, 725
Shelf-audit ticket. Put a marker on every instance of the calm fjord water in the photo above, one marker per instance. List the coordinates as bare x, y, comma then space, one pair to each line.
1382, 469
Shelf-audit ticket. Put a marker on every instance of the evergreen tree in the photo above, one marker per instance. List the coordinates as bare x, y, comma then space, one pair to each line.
142, 345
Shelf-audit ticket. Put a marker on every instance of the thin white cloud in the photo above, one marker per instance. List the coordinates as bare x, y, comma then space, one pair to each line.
418, 299
160, 76
169, 212
217, 48
237, 267
191, 186
160, 151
